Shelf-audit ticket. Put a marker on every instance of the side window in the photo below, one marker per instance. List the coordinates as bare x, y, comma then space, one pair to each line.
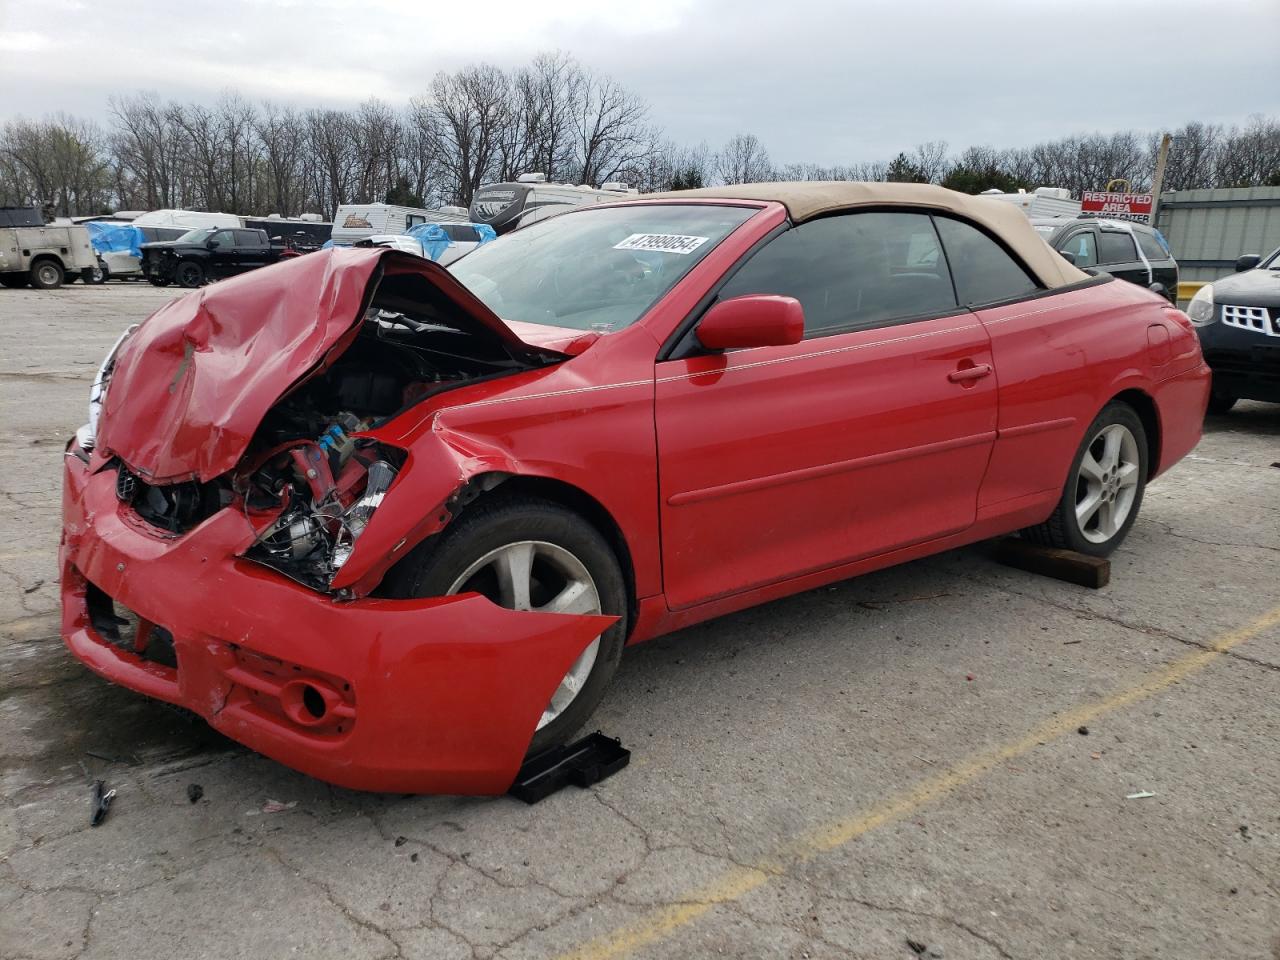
248, 238
1083, 246
984, 270
225, 238
1116, 248
413, 219
853, 272
462, 232
1150, 246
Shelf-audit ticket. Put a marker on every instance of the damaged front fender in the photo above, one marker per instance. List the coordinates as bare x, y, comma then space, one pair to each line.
437, 478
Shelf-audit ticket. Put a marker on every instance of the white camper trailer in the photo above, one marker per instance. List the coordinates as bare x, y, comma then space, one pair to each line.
358, 221
1041, 202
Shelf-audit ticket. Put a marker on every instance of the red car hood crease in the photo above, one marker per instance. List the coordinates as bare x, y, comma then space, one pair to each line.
193, 383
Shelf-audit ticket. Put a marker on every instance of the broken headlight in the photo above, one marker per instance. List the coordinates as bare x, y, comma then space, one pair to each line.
87, 435
324, 493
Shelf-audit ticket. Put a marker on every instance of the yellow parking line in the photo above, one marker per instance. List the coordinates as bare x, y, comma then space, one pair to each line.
742, 880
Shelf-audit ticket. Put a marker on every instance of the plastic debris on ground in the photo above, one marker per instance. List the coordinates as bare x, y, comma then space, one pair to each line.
1140, 795
274, 806
583, 763
100, 801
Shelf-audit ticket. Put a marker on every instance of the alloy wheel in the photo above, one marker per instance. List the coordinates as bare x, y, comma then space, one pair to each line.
543, 577
1107, 483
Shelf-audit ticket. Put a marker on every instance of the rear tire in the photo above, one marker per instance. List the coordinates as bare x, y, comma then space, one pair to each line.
1103, 492
46, 275
99, 275
455, 561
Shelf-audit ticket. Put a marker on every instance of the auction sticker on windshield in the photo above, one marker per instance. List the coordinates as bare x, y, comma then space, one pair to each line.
662, 242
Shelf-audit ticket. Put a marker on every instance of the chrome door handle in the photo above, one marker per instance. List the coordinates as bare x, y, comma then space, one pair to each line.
969, 374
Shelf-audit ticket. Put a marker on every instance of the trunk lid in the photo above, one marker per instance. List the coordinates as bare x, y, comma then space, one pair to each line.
191, 386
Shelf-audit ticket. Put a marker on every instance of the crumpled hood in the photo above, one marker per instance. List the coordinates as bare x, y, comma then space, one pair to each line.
191, 386
1258, 287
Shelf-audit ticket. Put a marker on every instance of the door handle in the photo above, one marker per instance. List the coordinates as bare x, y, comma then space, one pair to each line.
969, 374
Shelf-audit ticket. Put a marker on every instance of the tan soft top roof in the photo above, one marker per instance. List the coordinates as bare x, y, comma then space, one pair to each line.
805, 200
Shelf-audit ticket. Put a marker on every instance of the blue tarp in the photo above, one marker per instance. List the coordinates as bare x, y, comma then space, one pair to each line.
435, 241
108, 236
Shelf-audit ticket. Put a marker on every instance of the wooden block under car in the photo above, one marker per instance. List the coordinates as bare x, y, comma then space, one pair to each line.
1077, 568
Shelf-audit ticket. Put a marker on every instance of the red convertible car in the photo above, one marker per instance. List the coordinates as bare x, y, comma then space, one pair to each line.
393, 525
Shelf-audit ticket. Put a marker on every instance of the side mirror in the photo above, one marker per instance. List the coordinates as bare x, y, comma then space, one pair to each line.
1068, 256
1247, 262
212, 245
756, 320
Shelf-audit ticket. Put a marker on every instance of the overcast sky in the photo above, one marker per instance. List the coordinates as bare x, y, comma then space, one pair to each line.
816, 80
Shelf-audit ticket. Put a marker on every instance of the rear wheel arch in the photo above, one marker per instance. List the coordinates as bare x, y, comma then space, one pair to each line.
1145, 407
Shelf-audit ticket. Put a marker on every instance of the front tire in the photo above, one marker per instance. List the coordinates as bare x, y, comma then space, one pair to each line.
531, 555
189, 274
1104, 489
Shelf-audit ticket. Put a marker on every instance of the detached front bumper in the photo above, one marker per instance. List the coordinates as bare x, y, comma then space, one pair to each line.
158, 267
439, 695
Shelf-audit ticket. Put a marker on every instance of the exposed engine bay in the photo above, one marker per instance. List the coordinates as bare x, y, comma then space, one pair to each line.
309, 481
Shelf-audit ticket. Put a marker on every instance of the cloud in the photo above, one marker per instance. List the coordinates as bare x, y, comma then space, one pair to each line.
20, 41
825, 80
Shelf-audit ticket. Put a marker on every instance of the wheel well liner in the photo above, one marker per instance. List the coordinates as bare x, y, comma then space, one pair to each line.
1145, 408
580, 502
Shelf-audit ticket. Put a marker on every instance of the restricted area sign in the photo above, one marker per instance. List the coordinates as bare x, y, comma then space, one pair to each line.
1116, 206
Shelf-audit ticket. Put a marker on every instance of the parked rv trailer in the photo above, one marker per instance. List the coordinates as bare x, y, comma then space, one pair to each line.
1041, 202
357, 221
505, 206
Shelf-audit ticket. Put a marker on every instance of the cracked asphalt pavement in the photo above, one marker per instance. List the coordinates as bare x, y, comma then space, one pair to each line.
933, 761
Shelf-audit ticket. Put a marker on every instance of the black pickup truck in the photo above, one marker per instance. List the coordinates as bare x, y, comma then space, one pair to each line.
211, 253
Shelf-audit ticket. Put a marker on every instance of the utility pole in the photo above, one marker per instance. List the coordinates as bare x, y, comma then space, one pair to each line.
1157, 181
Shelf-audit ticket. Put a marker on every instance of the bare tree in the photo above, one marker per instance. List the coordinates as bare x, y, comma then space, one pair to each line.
147, 150
743, 160
331, 160
479, 124
609, 126
470, 106
1250, 156
931, 160
547, 98
60, 160
282, 134
422, 154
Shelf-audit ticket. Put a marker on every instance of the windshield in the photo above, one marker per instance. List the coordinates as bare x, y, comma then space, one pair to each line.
597, 269
1272, 262
198, 235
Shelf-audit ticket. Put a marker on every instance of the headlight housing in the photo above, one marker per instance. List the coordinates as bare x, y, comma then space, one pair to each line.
1201, 308
87, 435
